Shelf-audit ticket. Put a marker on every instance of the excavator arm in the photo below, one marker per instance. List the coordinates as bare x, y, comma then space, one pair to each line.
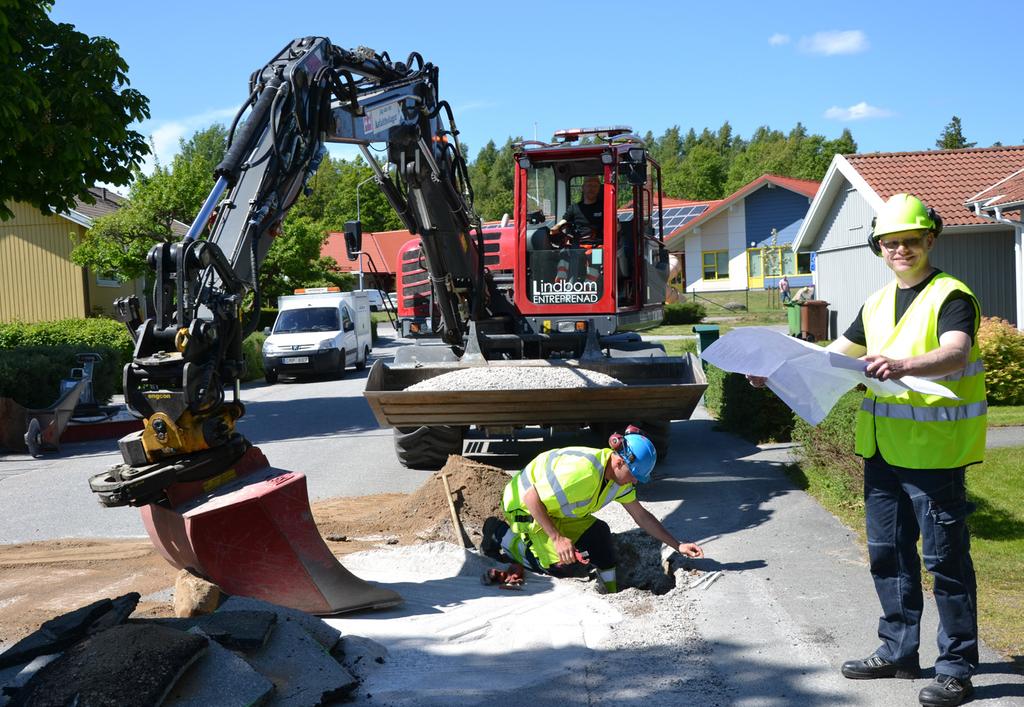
184, 377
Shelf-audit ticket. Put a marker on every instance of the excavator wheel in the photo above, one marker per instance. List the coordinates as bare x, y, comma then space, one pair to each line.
427, 447
658, 432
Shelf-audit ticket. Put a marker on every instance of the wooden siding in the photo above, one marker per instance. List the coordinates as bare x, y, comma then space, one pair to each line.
725, 231
844, 278
776, 208
38, 281
101, 297
983, 260
847, 223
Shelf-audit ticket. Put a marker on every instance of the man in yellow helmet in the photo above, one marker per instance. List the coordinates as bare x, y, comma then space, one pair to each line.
916, 449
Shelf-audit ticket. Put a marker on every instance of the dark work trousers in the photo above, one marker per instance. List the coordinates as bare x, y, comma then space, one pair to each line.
596, 541
900, 505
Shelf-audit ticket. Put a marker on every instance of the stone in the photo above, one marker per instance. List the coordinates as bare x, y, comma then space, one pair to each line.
194, 596
219, 678
327, 636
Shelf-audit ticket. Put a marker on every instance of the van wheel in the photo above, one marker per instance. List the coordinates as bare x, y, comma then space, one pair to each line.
340, 372
270, 376
427, 447
361, 365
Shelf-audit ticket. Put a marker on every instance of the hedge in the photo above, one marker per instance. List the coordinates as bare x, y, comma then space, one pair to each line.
252, 350
684, 313
756, 414
829, 445
75, 332
31, 375
1002, 348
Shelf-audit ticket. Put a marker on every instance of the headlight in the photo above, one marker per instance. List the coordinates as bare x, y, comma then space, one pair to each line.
267, 347
326, 344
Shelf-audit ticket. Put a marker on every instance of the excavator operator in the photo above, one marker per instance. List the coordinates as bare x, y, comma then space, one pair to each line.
582, 221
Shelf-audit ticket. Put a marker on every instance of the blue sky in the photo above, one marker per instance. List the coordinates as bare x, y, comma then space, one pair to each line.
892, 72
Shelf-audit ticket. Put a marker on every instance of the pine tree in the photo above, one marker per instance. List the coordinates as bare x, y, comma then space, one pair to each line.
952, 137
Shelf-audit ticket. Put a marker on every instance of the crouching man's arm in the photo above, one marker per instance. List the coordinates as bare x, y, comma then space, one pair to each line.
653, 527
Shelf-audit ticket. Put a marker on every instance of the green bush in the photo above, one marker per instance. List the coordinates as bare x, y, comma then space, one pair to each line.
31, 375
828, 447
756, 414
252, 349
684, 313
1002, 348
75, 332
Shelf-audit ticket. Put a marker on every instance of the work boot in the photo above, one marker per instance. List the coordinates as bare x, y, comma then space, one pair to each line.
490, 543
875, 666
946, 691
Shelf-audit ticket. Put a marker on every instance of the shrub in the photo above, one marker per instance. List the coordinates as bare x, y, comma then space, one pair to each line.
75, 332
756, 414
828, 447
252, 350
31, 375
684, 313
1002, 348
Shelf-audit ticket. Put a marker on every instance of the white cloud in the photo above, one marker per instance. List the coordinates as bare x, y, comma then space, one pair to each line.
831, 43
858, 111
166, 135
778, 39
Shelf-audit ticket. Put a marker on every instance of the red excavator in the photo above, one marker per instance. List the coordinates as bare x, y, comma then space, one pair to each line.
210, 500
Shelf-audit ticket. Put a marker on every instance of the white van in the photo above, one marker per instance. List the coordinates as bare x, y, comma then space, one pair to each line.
319, 330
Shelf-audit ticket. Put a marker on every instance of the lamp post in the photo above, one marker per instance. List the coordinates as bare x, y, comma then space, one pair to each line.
372, 176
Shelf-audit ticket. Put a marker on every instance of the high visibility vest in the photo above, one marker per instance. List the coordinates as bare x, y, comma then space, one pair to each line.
570, 484
912, 430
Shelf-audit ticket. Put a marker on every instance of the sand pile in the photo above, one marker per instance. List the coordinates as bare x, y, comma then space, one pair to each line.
351, 524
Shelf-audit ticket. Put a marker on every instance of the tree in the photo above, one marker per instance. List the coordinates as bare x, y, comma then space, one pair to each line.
117, 243
952, 137
64, 111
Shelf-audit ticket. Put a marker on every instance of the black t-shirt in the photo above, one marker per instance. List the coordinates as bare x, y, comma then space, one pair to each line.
955, 314
581, 214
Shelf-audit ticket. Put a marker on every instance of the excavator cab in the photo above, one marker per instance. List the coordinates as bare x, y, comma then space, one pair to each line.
589, 247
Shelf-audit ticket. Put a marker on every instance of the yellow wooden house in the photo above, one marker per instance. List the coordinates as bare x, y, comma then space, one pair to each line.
38, 281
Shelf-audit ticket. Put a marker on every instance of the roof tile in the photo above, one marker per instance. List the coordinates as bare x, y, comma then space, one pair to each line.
943, 179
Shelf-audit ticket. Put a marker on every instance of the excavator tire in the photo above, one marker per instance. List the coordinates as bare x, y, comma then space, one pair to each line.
658, 432
427, 447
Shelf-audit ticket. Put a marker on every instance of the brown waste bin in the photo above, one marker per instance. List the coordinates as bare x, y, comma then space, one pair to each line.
814, 320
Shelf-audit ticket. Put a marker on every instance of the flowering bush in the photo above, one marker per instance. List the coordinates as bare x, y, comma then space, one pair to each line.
1002, 348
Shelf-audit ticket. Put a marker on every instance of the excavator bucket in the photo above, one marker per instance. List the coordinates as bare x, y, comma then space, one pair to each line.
251, 532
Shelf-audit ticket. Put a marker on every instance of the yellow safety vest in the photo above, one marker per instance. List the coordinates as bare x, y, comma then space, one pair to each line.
570, 484
922, 431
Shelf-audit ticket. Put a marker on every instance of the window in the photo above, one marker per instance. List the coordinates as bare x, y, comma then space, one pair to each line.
781, 260
716, 264
107, 279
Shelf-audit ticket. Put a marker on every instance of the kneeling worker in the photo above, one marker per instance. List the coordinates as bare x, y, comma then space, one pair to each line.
549, 523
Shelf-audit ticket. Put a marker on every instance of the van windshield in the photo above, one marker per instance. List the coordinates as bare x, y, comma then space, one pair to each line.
293, 321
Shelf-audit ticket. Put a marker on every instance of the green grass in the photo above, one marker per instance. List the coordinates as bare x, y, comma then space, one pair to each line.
996, 487
1005, 415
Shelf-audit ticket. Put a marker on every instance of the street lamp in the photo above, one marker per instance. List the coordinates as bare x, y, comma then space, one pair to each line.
372, 176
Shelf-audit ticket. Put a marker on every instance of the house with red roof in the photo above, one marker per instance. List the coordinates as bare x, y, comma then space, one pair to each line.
975, 246
378, 264
743, 241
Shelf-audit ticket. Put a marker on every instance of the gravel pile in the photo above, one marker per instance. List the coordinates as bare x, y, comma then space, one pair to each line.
517, 378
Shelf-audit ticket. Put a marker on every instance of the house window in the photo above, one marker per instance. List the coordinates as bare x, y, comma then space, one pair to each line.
107, 280
781, 260
716, 264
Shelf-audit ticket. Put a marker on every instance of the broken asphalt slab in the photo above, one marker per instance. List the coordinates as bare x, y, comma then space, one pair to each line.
220, 677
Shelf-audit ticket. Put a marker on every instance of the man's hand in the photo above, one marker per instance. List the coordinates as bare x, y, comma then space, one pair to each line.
883, 368
565, 549
690, 550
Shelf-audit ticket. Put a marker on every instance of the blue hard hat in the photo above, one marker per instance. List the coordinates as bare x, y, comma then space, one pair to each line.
639, 455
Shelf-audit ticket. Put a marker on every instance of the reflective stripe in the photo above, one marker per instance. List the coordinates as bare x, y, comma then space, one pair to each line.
950, 413
525, 482
971, 369
568, 509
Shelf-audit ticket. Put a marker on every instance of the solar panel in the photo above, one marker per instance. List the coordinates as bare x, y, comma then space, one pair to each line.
678, 216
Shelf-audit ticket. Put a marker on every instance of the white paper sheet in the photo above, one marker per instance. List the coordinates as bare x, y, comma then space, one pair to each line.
805, 376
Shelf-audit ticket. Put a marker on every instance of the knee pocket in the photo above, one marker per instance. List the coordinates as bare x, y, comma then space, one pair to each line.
949, 528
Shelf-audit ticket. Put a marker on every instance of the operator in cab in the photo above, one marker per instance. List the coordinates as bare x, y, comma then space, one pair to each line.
549, 525
585, 218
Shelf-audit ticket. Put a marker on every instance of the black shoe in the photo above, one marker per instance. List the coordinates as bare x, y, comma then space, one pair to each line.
946, 691
490, 543
875, 666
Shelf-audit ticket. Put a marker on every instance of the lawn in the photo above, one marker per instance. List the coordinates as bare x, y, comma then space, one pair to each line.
1005, 415
996, 487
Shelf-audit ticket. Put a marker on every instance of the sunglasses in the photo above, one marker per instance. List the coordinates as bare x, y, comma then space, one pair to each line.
908, 243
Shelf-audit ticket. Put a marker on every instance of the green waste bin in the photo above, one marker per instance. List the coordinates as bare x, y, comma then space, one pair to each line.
707, 334
793, 318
